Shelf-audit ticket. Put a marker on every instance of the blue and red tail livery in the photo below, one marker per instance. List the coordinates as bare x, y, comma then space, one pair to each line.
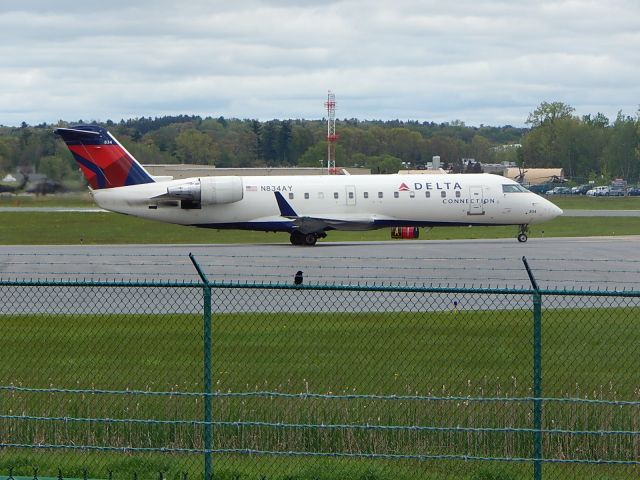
103, 161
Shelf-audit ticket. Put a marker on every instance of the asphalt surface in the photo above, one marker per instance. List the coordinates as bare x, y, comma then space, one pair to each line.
594, 263
613, 261
601, 213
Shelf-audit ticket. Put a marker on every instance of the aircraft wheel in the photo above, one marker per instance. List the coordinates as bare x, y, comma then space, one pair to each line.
297, 238
522, 237
310, 239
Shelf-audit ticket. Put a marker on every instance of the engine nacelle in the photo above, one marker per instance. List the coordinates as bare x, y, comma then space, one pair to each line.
220, 190
187, 191
208, 191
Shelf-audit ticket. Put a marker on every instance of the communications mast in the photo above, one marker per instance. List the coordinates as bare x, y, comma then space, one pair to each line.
331, 133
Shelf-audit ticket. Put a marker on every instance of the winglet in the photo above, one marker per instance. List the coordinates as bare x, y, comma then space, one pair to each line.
285, 208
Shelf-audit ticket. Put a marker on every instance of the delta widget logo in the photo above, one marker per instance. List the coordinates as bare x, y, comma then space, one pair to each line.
403, 187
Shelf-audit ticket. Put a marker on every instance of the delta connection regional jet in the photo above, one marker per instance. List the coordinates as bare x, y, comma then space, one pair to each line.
306, 207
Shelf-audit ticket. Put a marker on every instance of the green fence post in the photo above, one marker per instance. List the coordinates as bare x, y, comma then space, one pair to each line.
206, 371
537, 374
537, 385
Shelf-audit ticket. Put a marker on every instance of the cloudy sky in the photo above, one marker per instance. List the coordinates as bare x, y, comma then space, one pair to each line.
483, 62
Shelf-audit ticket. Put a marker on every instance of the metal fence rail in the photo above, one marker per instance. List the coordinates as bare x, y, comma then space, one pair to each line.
209, 379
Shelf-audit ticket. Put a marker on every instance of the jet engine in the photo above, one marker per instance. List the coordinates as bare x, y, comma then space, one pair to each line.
207, 191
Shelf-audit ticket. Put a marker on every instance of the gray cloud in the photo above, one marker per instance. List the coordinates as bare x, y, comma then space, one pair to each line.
487, 62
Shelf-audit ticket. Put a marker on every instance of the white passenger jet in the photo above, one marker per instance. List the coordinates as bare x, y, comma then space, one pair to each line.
306, 207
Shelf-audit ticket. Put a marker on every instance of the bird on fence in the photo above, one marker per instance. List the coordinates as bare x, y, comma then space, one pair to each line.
297, 280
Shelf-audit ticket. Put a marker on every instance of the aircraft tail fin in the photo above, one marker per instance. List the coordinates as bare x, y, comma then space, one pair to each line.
104, 162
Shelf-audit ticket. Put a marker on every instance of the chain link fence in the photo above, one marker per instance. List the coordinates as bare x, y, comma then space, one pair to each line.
193, 380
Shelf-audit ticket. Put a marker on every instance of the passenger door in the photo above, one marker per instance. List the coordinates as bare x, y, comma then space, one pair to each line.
350, 194
476, 205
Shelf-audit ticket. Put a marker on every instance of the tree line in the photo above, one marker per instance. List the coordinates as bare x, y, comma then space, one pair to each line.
589, 146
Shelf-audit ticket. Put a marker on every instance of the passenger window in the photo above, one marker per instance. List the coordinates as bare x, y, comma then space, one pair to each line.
350, 195
443, 194
366, 194
290, 195
306, 196
457, 193
379, 194
335, 195
396, 194
427, 194
412, 194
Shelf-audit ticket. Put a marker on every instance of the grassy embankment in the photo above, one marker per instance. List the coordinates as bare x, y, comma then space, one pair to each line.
477, 354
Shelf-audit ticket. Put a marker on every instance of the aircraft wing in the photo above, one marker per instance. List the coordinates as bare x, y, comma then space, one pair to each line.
319, 223
309, 224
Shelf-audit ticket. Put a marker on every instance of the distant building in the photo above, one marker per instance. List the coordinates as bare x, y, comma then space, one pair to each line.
439, 171
178, 171
510, 146
497, 168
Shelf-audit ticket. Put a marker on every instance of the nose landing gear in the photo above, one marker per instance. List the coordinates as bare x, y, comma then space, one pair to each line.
522, 234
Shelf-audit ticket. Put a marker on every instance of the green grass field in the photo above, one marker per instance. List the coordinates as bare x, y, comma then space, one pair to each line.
582, 202
79, 199
587, 353
68, 228
253, 468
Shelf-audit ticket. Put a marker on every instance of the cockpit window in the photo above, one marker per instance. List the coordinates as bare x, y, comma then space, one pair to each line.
513, 187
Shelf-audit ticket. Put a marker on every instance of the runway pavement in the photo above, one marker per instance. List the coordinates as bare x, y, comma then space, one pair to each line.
601, 213
604, 262
596, 263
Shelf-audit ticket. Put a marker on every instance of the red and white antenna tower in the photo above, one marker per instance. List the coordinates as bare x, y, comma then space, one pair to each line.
331, 133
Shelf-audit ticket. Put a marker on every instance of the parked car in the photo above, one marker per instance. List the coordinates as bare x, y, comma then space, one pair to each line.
539, 189
600, 191
634, 192
580, 190
559, 191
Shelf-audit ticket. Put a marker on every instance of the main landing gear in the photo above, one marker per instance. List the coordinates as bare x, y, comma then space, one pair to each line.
307, 239
522, 235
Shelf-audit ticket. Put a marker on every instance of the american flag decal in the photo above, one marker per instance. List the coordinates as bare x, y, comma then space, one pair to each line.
251, 188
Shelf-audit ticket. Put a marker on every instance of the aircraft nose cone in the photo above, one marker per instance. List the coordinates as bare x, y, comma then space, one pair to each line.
553, 210
557, 211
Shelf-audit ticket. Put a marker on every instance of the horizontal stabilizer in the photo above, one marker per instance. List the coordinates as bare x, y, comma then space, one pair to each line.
73, 136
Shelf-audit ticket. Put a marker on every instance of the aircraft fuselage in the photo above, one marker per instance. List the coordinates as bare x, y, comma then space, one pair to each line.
345, 202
